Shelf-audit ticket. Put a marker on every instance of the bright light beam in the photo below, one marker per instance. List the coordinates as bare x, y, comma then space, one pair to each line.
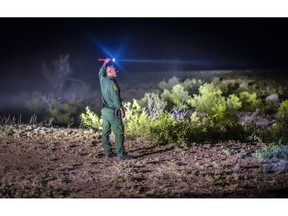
161, 61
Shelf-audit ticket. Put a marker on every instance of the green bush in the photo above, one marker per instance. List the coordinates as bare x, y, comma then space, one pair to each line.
265, 88
215, 115
244, 86
176, 97
282, 115
227, 86
161, 129
216, 81
210, 101
165, 129
233, 102
91, 120
282, 120
192, 85
137, 120
63, 113
170, 84
283, 110
249, 101
272, 133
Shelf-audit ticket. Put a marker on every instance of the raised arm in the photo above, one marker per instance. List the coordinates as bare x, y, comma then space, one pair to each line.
102, 70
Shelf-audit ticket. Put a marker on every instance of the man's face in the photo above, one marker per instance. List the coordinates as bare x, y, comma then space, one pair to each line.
112, 72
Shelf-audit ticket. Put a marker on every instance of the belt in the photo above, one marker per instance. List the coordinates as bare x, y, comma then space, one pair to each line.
104, 106
116, 111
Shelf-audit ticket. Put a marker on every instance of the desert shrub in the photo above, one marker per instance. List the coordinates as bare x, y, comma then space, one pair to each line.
276, 151
244, 86
272, 98
195, 119
254, 138
282, 115
192, 85
282, 120
154, 104
137, 120
265, 88
273, 133
63, 113
271, 104
179, 113
250, 130
206, 129
169, 84
283, 110
181, 133
216, 81
161, 129
227, 86
249, 101
165, 129
228, 129
176, 96
210, 101
36, 103
233, 102
91, 120
256, 123
234, 131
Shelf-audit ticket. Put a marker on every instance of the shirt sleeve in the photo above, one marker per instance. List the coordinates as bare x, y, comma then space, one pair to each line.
102, 72
115, 92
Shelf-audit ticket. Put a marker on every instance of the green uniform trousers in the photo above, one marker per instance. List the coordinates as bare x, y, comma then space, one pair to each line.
111, 120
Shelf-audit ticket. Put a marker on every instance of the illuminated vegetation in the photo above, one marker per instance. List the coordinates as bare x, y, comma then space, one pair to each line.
218, 137
222, 109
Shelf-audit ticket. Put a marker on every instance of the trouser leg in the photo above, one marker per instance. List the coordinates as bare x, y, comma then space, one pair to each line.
106, 133
118, 130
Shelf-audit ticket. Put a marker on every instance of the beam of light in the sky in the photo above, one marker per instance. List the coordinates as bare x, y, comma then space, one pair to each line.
120, 62
166, 61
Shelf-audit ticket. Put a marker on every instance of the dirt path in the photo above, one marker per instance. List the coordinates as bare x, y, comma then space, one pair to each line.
50, 162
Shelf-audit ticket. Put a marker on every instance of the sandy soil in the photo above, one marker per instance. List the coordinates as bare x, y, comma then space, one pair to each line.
42, 162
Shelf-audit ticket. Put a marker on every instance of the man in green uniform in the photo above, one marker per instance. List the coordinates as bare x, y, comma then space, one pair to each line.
112, 111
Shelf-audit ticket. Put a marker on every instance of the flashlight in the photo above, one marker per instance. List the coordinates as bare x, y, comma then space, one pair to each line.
102, 59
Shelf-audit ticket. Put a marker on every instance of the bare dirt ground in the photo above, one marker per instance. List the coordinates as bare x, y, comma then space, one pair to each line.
43, 162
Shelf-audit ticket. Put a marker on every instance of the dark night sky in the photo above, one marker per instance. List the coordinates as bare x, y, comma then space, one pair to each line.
211, 43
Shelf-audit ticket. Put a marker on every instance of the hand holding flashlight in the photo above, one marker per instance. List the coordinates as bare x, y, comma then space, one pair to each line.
110, 59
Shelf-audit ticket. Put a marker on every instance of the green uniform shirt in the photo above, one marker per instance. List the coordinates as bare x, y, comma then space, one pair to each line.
110, 90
